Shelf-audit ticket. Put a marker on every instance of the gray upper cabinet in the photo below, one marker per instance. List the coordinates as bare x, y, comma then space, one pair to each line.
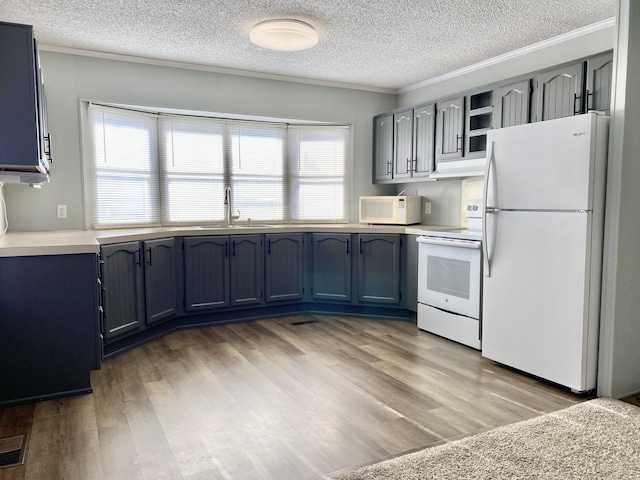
424, 124
450, 129
383, 148
560, 92
123, 289
284, 267
206, 272
331, 266
478, 121
599, 83
512, 104
379, 269
403, 144
245, 269
160, 279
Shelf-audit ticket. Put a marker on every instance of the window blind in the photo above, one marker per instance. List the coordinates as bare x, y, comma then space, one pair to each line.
318, 173
124, 168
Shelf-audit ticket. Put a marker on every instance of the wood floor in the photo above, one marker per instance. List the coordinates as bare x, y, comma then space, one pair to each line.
272, 399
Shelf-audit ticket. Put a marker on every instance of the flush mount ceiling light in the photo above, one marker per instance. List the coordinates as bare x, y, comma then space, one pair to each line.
284, 34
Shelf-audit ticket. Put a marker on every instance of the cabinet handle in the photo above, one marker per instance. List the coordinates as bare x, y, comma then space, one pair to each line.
226, 248
458, 143
347, 246
233, 248
575, 99
388, 168
361, 247
47, 146
409, 166
150, 261
415, 165
589, 98
269, 247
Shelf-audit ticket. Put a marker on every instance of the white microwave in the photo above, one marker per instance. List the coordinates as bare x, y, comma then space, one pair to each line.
392, 210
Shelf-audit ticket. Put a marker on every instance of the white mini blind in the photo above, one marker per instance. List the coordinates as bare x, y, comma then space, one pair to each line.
258, 175
193, 169
318, 173
124, 167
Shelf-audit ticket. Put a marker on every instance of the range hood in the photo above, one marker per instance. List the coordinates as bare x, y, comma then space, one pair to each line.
30, 178
474, 167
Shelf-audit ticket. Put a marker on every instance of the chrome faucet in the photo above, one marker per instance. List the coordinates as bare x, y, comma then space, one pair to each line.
230, 217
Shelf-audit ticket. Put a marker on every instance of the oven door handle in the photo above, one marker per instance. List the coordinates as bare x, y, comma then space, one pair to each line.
449, 242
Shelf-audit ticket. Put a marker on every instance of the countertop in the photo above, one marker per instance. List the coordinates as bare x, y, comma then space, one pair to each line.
65, 242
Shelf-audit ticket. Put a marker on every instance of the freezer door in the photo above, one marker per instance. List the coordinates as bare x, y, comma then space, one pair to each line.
537, 314
545, 165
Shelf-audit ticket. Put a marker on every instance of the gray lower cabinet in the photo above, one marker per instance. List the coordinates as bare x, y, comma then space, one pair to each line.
410, 274
379, 268
331, 266
206, 272
222, 271
123, 289
160, 279
245, 270
284, 267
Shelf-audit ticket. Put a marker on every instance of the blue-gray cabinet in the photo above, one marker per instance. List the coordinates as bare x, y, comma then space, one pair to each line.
49, 326
512, 104
331, 267
379, 268
403, 144
599, 83
123, 289
24, 137
450, 129
160, 279
284, 267
206, 272
245, 270
383, 148
560, 92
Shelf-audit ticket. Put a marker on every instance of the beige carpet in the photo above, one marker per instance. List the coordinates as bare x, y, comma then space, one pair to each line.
597, 439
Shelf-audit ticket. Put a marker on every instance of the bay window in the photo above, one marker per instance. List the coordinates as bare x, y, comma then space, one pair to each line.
160, 169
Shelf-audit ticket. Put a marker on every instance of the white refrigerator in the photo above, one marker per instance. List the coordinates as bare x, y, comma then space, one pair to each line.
542, 243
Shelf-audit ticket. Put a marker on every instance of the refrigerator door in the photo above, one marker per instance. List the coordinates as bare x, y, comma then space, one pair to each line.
544, 165
537, 315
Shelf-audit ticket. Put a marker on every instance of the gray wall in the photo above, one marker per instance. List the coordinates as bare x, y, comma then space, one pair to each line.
619, 371
71, 78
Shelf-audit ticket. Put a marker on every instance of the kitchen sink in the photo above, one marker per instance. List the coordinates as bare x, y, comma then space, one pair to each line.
235, 225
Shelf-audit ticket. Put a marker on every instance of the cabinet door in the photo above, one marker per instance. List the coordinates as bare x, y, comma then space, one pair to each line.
450, 129
331, 266
206, 272
246, 269
160, 279
402, 144
383, 148
560, 92
599, 83
123, 288
512, 105
284, 272
379, 268
410, 252
424, 124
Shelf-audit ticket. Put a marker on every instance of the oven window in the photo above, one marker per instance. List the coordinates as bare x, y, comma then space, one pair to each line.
449, 276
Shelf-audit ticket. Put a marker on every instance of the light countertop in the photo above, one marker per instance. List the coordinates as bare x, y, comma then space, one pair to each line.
64, 242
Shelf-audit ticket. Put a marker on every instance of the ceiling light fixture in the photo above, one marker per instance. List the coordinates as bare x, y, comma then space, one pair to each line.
284, 34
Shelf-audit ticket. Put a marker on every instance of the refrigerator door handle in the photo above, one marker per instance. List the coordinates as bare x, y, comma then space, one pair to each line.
487, 179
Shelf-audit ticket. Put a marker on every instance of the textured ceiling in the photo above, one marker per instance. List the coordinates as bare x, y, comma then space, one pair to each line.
386, 44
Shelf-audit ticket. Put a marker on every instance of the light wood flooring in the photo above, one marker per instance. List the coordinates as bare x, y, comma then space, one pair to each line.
272, 400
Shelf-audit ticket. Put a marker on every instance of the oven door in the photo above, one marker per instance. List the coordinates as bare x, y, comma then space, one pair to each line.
449, 275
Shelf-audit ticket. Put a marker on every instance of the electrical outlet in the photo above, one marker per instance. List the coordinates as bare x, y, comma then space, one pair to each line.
427, 208
61, 211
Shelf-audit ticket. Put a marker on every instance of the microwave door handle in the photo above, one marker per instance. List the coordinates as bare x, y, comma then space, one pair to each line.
485, 212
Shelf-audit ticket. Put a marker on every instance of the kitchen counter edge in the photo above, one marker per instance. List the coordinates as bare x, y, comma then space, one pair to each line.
69, 242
